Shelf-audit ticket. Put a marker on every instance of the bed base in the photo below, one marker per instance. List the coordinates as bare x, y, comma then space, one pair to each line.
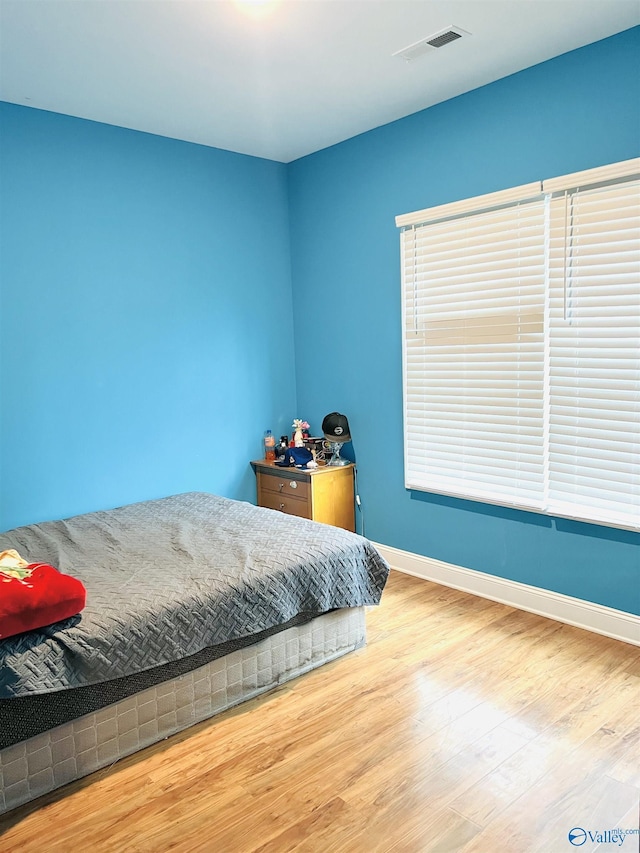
68, 752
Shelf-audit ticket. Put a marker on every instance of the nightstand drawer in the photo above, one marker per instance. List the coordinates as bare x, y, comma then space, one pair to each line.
284, 486
285, 503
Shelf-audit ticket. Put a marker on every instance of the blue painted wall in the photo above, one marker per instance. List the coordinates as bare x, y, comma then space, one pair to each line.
577, 111
149, 344
142, 283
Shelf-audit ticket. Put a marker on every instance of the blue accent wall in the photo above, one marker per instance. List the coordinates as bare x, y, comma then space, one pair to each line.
145, 309
162, 303
574, 112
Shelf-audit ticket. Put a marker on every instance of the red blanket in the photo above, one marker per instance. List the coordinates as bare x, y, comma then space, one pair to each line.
37, 595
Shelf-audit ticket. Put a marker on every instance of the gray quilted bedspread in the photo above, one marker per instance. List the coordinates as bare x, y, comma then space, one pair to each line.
167, 578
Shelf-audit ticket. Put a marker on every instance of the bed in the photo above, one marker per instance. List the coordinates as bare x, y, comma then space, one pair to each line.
195, 603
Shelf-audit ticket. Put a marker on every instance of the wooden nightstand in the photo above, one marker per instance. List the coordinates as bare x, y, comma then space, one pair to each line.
322, 494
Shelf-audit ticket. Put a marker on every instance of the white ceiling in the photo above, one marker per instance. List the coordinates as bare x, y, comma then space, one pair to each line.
275, 79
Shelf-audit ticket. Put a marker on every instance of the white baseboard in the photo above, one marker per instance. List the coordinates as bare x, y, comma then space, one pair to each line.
563, 608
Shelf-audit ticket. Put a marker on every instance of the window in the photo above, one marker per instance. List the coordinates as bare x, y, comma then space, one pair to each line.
521, 346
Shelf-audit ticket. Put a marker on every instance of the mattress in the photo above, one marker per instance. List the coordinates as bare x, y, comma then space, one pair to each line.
76, 749
195, 603
166, 579
23, 717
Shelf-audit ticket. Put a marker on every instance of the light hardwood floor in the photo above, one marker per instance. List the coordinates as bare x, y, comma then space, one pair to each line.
464, 725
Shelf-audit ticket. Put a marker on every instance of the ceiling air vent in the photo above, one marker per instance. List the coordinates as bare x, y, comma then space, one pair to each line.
444, 38
430, 43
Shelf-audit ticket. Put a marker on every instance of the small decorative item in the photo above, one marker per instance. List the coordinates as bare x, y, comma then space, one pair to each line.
299, 425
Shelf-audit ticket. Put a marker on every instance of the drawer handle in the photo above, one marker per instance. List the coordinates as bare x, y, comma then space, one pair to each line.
293, 484
280, 486
281, 506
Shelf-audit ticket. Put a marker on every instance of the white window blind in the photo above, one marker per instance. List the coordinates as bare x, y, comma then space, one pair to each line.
594, 303
520, 347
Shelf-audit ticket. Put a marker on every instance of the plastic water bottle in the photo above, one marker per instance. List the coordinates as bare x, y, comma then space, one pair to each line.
269, 446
